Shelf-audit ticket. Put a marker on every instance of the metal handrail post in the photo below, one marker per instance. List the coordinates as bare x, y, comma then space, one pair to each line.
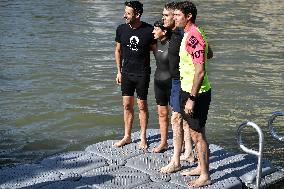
272, 129
253, 152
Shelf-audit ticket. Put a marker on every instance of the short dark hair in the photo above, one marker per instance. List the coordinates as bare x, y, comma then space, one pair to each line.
187, 7
160, 24
170, 6
136, 5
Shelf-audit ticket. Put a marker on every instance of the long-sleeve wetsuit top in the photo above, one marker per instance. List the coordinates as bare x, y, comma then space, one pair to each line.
174, 46
162, 72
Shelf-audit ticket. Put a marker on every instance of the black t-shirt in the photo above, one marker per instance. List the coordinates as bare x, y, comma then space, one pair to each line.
162, 60
135, 45
174, 47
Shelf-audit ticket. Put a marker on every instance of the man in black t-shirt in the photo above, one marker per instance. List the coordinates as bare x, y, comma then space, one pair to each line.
134, 40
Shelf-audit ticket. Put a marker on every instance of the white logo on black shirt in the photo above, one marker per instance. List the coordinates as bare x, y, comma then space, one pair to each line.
134, 40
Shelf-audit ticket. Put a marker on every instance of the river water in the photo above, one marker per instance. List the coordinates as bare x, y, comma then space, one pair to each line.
57, 74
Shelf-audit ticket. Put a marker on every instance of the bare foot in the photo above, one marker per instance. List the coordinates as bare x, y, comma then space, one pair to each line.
189, 159
143, 145
122, 142
192, 172
160, 148
201, 181
170, 168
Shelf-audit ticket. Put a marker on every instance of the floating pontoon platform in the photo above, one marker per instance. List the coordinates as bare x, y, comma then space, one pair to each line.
102, 166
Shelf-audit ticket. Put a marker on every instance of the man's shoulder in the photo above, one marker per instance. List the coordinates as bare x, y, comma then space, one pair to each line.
178, 31
146, 25
121, 26
177, 35
196, 31
195, 42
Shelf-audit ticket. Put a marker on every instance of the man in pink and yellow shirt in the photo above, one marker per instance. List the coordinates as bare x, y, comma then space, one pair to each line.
196, 89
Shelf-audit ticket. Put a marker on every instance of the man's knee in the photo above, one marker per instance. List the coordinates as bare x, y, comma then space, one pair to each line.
176, 118
185, 125
142, 105
128, 103
163, 113
194, 138
128, 106
197, 136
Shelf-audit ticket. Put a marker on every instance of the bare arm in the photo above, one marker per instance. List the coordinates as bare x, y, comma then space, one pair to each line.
198, 78
117, 54
197, 82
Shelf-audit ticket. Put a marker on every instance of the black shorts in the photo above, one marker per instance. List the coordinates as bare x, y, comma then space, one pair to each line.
197, 120
130, 83
162, 90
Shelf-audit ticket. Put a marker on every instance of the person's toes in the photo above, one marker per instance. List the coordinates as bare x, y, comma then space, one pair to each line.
192, 172
200, 182
143, 145
160, 148
189, 159
122, 142
170, 168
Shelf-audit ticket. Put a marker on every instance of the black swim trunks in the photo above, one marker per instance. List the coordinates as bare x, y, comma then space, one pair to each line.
130, 83
197, 119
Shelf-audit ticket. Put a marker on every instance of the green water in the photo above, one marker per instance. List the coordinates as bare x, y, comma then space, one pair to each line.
57, 74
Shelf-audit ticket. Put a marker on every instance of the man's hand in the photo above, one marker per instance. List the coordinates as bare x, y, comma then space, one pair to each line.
118, 78
188, 108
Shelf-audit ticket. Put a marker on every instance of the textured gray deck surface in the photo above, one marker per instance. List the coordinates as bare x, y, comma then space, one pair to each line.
103, 167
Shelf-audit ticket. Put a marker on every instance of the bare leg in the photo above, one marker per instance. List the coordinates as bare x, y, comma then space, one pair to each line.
128, 114
174, 165
143, 119
203, 158
163, 113
195, 171
188, 153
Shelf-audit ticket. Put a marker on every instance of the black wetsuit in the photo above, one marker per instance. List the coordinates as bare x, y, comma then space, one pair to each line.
162, 80
174, 46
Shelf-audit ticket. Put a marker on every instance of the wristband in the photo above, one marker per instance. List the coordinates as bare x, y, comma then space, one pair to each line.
192, 98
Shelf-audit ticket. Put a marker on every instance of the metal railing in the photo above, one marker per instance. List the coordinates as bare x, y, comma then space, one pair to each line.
253, 152
272, 129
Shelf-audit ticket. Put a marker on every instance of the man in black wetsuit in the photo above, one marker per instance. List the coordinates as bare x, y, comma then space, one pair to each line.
134, 40
176, 119
162, 81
